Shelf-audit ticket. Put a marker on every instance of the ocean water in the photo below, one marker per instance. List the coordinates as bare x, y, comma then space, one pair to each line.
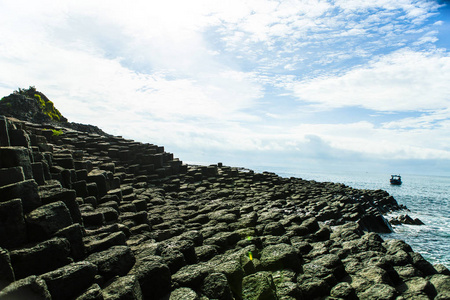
427, 198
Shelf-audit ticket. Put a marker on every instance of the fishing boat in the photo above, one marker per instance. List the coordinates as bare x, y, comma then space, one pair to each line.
396, 179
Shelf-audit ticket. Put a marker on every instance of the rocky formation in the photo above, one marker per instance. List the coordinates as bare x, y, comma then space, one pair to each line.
89, 216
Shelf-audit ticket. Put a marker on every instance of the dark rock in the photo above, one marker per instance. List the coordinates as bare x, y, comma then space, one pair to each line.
423, 265
192, 275
41, 258
71, 280
123, 288
12, 224
93, 218
441, 269
206, 252
405, 219
234, 274
31, 287
16, 157
153, 276
74, 234
94, 292
4, 136
259, 286
26, 190
38, 172
379, 291
417, 285
375, 223
46, 220
343, 290
11, 175
280, 256
104, 241
65, 195
100, 177
183, 293
116, 261
6, 270
441, 284
215, 286
313, 287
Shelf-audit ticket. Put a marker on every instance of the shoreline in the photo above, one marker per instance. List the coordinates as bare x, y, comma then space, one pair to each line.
139, 223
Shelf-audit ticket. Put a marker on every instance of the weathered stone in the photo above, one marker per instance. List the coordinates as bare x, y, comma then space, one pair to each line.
80, 188
153, 276
441, 283
417, 285
31, 287
71, 280
74, 234
65, 195
420, 263
11, 175
38, 172
100, 177
215, 286
280, 256
12, 224
378, 292
234, 273
123, 288
375, 223
40, 258
4, 136
46, 220
183, 293
192, 275
103, 241
19, 137
116, 261
259, 286
313, 287
6, 270
93, 218
94, 292
343, 290
16, 157
26, 190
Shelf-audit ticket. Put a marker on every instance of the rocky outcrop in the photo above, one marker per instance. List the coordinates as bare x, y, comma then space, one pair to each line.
93, 216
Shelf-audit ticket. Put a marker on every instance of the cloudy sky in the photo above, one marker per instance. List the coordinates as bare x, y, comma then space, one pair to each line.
309, 84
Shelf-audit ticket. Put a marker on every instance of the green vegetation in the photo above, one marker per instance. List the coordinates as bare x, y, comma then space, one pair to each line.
47, 106
57, 132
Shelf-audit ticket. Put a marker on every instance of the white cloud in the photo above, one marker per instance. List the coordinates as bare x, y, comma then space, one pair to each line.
402, 81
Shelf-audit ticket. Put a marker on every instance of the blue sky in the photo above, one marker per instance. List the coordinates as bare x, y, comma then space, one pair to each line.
309, 84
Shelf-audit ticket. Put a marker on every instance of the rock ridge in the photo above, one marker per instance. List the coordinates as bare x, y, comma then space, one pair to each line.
87, 215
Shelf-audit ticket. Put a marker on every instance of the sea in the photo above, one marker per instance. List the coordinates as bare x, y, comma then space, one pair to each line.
427, 198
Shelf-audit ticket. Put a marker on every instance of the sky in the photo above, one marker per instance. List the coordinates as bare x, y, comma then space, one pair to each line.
320, 85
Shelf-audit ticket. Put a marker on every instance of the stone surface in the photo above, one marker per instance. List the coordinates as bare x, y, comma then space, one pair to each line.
6, 270
16, 157
153, 275
71, 280
115, 261
41, 258
46, 220
12, 224
123, 288
31, 287
26, 190
259, 286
